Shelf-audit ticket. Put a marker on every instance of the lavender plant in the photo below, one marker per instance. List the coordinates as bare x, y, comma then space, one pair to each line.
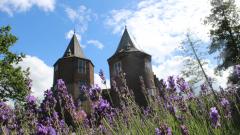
175, 110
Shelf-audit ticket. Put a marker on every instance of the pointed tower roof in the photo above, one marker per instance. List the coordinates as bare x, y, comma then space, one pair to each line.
126, 43
74, 48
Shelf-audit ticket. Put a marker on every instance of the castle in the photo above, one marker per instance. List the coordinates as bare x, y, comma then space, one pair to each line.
75, 69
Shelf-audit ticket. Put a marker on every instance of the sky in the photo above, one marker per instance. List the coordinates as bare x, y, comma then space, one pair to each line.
44, 29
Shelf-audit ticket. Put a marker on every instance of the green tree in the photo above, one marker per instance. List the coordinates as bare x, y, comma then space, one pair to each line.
193, 65
13, 80
225, 32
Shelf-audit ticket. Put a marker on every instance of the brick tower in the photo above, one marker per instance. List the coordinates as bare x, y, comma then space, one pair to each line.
134, 63
74, 68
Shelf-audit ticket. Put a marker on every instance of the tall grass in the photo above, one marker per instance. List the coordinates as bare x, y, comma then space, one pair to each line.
174, 110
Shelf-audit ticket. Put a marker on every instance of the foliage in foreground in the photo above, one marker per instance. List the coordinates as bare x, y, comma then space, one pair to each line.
13, 81
175, 110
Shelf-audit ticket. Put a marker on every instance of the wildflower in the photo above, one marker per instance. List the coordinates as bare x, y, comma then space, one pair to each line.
51, 131
5, 113
183, 85
157, 131
171, 84
30, 99
101, 74
49, 102
41, 130
190, 96
237, 70
94, 93
204, 89
61, 85
226, 107
103, 104
102, 129
224, 102
80, 116
184, 130
163, 130
215, 117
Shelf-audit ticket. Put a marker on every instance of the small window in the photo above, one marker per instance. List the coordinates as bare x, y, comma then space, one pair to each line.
56, 68
117, 68
81, 66
148, 66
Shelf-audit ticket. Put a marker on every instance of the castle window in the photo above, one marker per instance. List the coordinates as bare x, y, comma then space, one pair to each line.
148, 66
117, 68
81, 66
56, 68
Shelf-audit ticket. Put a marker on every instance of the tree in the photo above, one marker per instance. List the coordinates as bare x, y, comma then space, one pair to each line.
194, 64
192, 70
225, 32
13, 80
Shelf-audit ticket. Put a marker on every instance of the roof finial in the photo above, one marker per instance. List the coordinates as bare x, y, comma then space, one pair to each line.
74, 31
125, 26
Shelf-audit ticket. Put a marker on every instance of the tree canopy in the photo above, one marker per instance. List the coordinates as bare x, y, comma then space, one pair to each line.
225, 32
13, 80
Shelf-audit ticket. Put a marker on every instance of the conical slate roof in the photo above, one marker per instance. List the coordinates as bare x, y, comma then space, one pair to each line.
74, 48
126, 43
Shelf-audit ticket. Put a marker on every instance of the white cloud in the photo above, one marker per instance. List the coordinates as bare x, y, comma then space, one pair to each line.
98, 81
11, 6
40, 73
80, 16
159, 26
174, 65
96, 43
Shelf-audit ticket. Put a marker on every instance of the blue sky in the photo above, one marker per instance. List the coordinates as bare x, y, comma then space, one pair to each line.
42, 34
156, 26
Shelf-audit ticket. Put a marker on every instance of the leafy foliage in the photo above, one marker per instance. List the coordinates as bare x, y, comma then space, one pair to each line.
13, 81
225, 32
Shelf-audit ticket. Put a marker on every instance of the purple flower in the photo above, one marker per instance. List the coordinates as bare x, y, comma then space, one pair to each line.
95, 93
171, 83
157, 131
184, 130
60, 84
51, 131
49, 102
224, 102
41, 130
204, 89
6, 113
182, 85
45, 130
190, 95
163, 130
31, 99
226, 107
215, 117
237, 70
101, 74
102, 105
